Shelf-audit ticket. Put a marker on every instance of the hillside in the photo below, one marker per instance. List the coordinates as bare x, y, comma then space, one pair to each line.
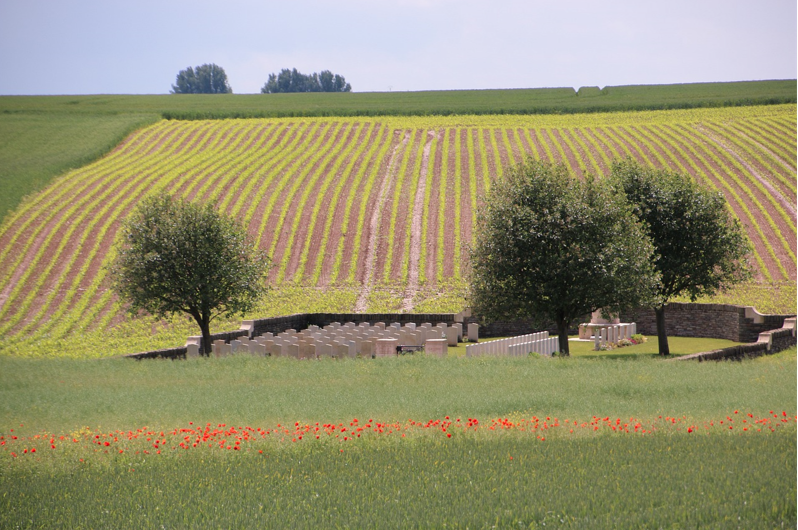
43, 136
365, 213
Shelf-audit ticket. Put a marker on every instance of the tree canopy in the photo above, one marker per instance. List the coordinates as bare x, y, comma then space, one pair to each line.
293, 81
204, 79
553, 248
700, 248
180, 257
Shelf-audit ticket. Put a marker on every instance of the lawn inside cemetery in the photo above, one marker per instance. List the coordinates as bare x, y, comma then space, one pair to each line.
405, 441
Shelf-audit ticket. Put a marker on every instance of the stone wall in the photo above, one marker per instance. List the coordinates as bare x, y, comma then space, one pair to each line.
719, 321
169, 353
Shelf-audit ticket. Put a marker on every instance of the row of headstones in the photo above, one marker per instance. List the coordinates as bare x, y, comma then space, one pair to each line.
347, 340
612, 334
502, 346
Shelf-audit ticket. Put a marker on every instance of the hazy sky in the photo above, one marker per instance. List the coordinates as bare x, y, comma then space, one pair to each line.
139, 46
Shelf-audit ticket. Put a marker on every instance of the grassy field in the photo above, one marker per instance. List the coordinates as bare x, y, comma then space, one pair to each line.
410, 441
36, 146
423, 103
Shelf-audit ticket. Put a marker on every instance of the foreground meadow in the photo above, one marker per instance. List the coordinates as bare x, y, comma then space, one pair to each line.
401, 442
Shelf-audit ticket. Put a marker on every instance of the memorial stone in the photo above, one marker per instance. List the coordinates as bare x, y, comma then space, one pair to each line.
386, 347
473, 332
436, 347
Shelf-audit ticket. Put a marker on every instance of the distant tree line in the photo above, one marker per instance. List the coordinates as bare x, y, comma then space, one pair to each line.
212, 79
294, 81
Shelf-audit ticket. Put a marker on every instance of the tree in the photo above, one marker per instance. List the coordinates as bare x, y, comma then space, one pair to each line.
294, 81
700, 247
550, 247
180, 257
205, 79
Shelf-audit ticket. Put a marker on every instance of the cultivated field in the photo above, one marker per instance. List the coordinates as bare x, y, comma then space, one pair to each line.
365, 214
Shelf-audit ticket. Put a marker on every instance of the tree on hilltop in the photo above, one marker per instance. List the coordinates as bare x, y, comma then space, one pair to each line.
700, 247
551, 247
294, 81
178, 257
205, 79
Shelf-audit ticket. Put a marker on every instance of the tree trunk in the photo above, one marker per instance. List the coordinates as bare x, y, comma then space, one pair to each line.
662, 336
204, 324
562, 331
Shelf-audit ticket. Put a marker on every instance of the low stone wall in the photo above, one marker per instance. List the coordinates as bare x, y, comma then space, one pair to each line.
169, 353
718, 321
768, 342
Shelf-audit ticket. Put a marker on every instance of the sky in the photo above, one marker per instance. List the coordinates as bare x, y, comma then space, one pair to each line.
139, 46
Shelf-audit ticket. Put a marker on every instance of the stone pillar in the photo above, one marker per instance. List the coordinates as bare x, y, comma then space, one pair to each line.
192, 350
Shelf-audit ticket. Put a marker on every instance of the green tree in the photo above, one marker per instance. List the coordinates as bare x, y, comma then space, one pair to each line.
552, 248
701, 248
179, 257
294, 81
205, 79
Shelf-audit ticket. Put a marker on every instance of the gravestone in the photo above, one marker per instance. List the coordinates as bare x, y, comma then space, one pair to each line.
473, 332
436, 347
192, 350
451, 336
386, 347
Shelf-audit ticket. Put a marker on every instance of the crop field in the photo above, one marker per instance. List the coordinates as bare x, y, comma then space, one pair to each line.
364, 214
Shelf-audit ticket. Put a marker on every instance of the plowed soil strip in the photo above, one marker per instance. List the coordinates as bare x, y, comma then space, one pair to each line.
40, 260
288, 242
464, 207
399, 262
785, 203
333, 179
96, 242
341, 229
761, 247
434, 213
374, 229
351, 251
783, 174
416, 225
575, 161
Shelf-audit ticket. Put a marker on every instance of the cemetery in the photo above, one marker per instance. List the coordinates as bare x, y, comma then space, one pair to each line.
372, 335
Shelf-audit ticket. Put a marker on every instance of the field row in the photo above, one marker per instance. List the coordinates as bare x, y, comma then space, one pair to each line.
368, 202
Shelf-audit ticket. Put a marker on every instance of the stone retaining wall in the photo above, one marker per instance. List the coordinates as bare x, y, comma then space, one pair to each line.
718, 321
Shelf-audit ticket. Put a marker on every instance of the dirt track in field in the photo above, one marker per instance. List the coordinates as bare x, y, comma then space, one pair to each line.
373, 235
416, 226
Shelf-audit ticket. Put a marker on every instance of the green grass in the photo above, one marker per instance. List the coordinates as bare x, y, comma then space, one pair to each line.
63, 394
505, 473
719, 481
35, 147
